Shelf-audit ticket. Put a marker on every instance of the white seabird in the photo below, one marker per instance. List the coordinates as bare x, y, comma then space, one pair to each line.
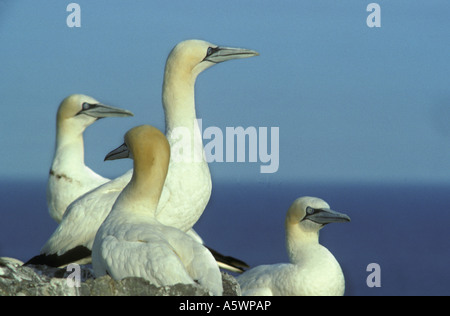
313, 270
188, 185
131, 242
69, 177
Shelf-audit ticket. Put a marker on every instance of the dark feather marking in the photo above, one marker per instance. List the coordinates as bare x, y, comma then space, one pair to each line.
236, 263
56, 261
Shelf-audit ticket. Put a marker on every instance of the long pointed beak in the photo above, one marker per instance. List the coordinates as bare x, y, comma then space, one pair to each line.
121, 152
221, 54
101, 111
326, 216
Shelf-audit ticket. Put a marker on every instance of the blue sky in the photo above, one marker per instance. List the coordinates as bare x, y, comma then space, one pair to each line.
352, 103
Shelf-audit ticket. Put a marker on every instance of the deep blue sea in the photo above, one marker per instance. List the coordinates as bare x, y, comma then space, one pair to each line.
403, 228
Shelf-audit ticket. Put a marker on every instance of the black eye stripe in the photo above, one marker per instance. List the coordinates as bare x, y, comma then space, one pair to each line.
86, 106
310, 210
211, 50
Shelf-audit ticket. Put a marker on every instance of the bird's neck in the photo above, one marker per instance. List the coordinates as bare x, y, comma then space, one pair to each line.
179, 99
69, 149
182, 127
301, 246
315, 261
143, 192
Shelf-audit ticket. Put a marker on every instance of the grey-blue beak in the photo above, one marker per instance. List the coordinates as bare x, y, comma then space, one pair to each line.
121, 152
325, 216
100, 111
220, 54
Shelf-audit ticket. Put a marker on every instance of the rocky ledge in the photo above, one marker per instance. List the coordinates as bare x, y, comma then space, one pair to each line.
17, 280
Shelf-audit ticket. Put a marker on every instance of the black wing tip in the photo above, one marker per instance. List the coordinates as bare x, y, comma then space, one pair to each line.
56, 261
38, 261
231, 261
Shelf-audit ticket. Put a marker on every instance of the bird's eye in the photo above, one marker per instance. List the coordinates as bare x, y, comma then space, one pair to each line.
86, 106
210, 51
309, 210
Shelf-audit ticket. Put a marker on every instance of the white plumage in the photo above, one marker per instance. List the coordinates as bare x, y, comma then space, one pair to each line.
69, 177
313, 270
188, 186
133, 243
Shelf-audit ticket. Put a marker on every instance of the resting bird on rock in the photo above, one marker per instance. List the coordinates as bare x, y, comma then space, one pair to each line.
313, 270
131, 242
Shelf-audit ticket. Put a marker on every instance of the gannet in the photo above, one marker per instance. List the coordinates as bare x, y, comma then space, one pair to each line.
188, 185
313, 270
131, 242
69, 177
